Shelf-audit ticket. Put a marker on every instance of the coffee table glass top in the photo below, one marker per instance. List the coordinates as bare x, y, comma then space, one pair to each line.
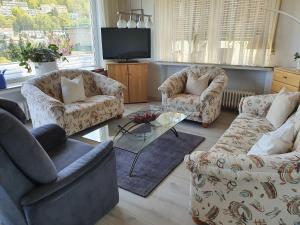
131, 134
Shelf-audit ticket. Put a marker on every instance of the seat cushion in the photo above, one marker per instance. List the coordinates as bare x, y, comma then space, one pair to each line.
184, 103
64, 154
94, 110
243, 133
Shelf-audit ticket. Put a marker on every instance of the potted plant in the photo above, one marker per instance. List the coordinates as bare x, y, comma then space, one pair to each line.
297, 59
43, 56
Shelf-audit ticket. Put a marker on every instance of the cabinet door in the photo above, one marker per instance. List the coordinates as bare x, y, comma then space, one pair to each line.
138, 82
119, 72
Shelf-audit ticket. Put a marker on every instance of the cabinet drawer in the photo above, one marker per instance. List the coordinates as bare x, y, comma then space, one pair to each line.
287, 78
276, 87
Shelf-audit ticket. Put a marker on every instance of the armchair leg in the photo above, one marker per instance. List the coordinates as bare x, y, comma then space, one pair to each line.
119, 116
205, 125
198, 222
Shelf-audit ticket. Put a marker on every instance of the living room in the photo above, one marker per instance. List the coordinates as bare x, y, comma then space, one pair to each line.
144, 112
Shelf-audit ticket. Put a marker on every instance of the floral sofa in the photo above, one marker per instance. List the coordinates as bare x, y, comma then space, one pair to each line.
205, 108
44, 97
230, 187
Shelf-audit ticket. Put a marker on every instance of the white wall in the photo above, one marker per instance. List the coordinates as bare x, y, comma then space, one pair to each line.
287, 40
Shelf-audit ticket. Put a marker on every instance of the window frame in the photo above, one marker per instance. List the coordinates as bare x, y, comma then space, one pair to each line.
95, 26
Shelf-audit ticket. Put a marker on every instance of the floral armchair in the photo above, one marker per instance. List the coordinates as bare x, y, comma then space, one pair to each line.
205, 108
44, 97
230, 187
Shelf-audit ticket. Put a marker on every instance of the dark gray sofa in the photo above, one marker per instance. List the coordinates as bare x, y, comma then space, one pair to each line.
49, 179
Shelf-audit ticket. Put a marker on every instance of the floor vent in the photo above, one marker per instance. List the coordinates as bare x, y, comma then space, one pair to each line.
231, 98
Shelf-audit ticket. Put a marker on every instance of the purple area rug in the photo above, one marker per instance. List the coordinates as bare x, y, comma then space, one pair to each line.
155, 163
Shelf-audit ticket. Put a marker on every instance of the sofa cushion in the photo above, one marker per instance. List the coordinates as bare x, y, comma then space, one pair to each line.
184, 103
283, 105
296, 146
81, 115
24, 150
195, 85
276, 142
243, 133
72, 90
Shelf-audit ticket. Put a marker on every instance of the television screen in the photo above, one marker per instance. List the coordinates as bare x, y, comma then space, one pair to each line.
126, 43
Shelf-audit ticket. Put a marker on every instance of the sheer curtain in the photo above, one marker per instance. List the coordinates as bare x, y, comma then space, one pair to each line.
109, 9
237, 32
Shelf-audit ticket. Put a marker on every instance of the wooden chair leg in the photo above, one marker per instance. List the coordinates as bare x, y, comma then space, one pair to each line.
198, 222
205, 125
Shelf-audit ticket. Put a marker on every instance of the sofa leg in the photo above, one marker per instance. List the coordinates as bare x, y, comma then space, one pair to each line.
119, 116
198, 222
205, 125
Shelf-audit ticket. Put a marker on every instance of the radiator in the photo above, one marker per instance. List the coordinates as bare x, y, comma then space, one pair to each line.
231, 98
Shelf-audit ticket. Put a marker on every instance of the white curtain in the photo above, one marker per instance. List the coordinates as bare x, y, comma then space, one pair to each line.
109, 9
236, 32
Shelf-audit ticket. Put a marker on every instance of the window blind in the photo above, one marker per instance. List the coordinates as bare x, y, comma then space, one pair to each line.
238, 32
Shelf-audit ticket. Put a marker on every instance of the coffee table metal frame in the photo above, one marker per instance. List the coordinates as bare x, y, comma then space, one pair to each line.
125, 129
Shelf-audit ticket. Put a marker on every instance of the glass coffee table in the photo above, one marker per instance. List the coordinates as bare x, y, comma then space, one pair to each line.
137, 130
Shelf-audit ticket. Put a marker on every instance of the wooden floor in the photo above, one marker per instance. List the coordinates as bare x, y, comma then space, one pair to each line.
169, 202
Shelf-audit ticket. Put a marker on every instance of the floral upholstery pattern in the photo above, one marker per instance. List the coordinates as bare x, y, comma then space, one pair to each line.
44, 97
205, 108
230, 187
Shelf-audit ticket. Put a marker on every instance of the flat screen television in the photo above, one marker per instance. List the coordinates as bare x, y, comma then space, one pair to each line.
126, 44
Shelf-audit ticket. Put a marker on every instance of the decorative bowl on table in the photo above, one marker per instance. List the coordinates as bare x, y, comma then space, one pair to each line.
143, 116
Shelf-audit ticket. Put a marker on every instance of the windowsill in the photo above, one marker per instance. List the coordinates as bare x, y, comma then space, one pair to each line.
224, 66
16, 83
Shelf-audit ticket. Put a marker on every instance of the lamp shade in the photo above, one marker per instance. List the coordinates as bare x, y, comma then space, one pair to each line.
121, 23
131, 23
141, 23
148, 23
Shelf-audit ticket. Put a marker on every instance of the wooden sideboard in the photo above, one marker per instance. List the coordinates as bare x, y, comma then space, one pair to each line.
134, 77
286, 77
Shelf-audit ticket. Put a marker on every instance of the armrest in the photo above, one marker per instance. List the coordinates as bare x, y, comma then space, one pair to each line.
214, 90
70, 174
242, 166
109, 86
175, 84
34, 94
211, 98
257, 105
49, 136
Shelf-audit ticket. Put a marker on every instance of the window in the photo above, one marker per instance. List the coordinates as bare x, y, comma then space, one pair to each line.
237, 32
66, 23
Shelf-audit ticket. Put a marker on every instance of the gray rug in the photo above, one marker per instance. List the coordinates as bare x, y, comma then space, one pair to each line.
155, 163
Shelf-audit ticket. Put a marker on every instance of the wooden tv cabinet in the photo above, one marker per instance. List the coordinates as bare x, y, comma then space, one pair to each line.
134, 77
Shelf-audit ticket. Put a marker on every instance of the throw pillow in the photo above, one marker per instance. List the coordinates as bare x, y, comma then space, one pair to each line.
72, 90
276, 142
196, 85
282, 106
297, 130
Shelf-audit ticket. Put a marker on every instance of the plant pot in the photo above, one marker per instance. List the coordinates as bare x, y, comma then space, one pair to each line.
45, 67
2, 81
298, 64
